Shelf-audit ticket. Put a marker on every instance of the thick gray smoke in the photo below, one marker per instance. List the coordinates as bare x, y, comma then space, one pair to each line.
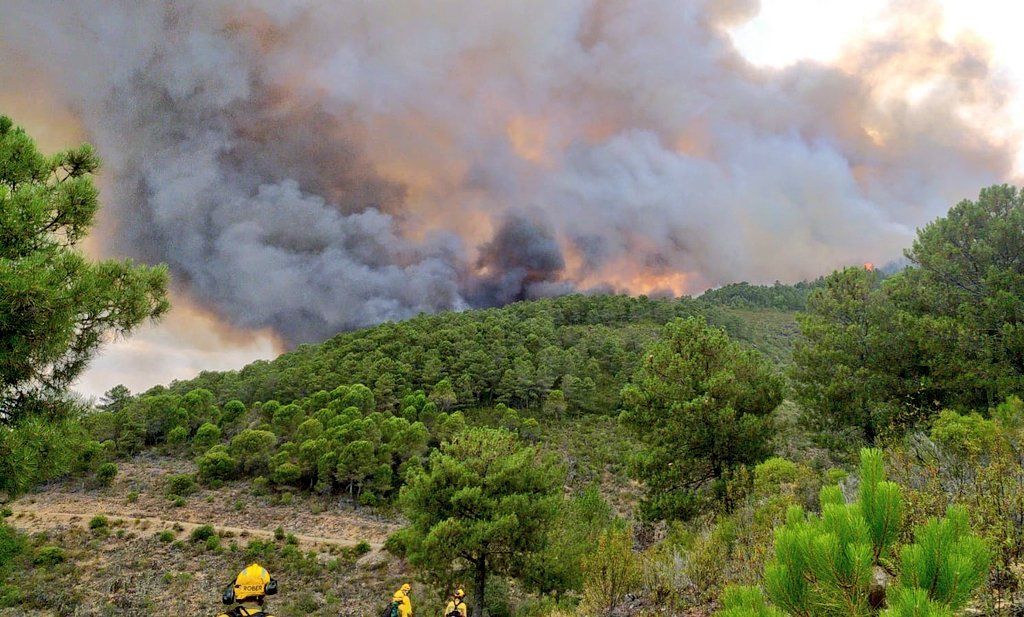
519, 263
317, 165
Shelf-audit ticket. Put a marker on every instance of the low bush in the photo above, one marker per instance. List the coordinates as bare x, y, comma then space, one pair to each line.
105, 474
166, 536
48, 556
12, 543
99, 522
213, 543
202, 533
182, 485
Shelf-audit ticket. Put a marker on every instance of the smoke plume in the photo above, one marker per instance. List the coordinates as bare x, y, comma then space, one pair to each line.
316, 165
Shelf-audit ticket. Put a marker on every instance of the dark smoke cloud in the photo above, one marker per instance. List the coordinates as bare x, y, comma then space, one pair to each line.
522, 261
317, 165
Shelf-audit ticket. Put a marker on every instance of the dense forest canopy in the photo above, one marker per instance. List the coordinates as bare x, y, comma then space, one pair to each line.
584, 346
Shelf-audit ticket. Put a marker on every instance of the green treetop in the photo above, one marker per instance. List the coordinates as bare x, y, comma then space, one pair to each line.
482, 506
56, 307
702, 406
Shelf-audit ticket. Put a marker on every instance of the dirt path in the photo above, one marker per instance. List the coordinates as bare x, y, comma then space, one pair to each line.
137, 502
41, 518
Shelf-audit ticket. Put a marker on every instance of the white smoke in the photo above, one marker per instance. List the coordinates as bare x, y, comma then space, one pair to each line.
319, 164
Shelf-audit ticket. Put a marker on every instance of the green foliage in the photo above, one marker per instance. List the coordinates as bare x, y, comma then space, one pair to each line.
99, 522
585, 346
771, 474
742, 601
206, 437
233, 410
253, 449
946, 333
777, 296
701, 404
835, 364
12, 544
49, 556
105, 474
610, 572
482, 505
36, 449
166, 536
286, 473
56, 307
181, 485
572, 536
202, 533
826, 564
947, 560
213, 543
216, 464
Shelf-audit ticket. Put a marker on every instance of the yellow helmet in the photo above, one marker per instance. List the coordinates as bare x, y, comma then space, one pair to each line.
459, 593
253, 582
406, 588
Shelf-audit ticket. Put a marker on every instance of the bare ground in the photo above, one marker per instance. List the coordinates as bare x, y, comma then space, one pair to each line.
126, 570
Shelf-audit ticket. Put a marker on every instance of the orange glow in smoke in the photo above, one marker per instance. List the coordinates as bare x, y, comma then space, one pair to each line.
529, 137
870, 267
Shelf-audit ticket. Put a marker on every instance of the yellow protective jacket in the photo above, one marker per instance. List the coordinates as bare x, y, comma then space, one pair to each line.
245, 609
456, 605
404, 603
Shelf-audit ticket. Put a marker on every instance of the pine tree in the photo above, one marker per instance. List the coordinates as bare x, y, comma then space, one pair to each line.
825, 565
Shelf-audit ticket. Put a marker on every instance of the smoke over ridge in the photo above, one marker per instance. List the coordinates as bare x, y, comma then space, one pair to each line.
318, 165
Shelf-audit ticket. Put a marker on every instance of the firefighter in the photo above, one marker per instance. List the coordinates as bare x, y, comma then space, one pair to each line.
248, 591
401, 603
457, 605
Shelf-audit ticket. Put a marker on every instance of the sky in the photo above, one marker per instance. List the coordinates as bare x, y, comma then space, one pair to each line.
373, 162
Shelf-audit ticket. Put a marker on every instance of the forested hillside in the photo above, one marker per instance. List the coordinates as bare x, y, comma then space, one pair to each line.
584, 346
846, 447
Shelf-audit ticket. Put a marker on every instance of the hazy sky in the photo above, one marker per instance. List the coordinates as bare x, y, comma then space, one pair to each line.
781, 34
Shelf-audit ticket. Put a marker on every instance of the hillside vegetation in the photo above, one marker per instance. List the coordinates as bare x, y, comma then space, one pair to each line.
848, 447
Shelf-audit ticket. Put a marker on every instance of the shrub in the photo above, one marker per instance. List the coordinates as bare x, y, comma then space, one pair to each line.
105, 474
291, 539
177, 436
279, 534
12, 543
213, 543
254, 448
397, 544
233, 410
260, 486
132, 497
206, 437
49, 556
611, 572
286, 473
178, 502
6, 512
202, 533
827, 561
216, 465
363, 548
10, 596
99, 522
166, 536
182, 485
